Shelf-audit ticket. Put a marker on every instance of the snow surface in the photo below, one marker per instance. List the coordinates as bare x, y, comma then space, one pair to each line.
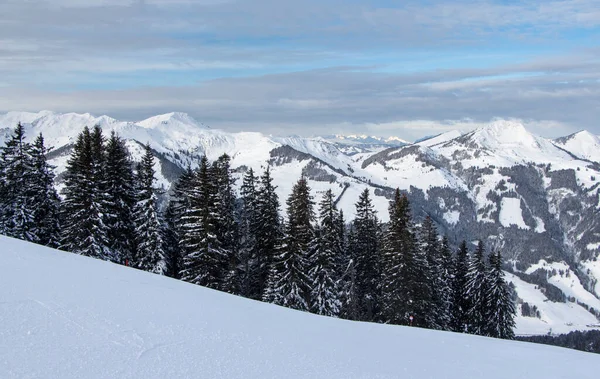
68, 316
511, 213
440, 138
582, 144
556, 318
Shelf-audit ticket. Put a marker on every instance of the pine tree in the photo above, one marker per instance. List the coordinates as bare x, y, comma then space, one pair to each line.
476, 291
437, 314
290, 283
173, 260
403, 294
179, 204
82, 228
46, 202
460, 302
226, 228
249, 269
500, 315
446, 278
119, 200
268, 234
324, 269
203, 257
150, 255
16, 168
364, 250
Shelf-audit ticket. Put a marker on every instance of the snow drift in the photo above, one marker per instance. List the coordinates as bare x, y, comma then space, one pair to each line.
68, 316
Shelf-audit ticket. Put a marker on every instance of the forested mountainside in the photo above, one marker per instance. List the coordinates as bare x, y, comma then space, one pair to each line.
534, 199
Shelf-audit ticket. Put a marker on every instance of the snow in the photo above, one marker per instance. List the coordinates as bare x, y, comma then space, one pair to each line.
440, 138
582, 144
67, 316
540, 226
567, 281
556, 318
511, 213
452, 217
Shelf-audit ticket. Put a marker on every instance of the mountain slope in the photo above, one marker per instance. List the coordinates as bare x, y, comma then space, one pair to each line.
67, 316
582, 144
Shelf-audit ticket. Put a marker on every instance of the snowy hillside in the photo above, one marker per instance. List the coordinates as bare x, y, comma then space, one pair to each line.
68, 316
582, 144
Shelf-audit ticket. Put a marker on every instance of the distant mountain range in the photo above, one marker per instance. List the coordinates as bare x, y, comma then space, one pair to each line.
538, 200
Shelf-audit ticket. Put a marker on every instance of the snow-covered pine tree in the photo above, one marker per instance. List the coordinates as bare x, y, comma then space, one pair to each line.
346, 274
247, 237
401, 295
501, 312
477, 291
290, 283
269, 233
83, 230
429, 244
364, 250
119, 200
460, 302
324, 270
226, 227
173, 262
446, 277
178, 205
46, 202
150, 255
203, 258
17, 207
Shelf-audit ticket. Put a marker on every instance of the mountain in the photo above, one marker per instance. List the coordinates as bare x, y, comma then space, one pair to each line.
69, 316
535, 200
582, 144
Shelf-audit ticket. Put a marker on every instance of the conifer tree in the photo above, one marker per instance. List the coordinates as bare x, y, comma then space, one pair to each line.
477, 291
446, 278
17, 207
83, 230
324, 269
403, 293
364, 250
173, 262
437, 314
203, 258
460, 302
119, 200
226, 227
500, 321
269, 233
247, 232
289, 281
179, 204
46, 202
150, 255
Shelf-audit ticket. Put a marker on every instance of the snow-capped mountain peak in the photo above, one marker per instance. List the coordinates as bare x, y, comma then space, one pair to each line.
582, 144
173, 119
504, 132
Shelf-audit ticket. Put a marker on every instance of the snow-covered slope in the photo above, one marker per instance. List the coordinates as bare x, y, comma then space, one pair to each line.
440, 138
582, 144
68, 316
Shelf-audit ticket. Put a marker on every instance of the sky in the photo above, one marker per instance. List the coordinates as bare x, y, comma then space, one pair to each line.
381, 67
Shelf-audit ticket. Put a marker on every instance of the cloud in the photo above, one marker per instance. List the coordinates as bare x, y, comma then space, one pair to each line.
299, 67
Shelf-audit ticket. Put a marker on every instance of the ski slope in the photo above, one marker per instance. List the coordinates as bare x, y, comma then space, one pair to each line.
67, 316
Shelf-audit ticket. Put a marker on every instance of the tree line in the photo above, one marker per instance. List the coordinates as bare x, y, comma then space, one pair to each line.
312, 260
